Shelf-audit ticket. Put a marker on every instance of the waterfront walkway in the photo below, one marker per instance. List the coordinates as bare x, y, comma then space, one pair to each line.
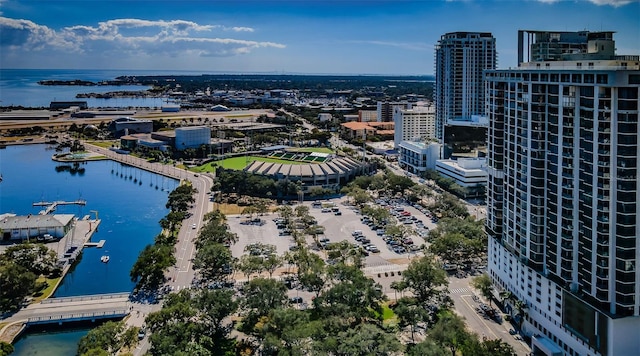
153, 167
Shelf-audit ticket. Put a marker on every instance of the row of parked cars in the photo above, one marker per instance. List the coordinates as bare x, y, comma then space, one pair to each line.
397, 244
366, 244
282, 226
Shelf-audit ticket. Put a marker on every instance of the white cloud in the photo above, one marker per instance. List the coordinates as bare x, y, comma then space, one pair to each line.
29, 35
239, 29
129, 37
614, 3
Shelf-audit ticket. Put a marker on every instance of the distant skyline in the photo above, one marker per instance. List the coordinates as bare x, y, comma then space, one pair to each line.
293, 37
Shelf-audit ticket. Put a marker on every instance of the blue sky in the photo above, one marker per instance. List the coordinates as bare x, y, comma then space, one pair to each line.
303, 36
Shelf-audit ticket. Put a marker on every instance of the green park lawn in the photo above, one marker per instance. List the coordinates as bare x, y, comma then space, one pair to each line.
388, 316
48, 291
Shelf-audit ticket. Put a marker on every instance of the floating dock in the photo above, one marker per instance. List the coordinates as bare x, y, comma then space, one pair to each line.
98, 244
51, 206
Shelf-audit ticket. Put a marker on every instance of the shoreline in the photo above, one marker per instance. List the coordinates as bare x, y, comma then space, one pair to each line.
10, 332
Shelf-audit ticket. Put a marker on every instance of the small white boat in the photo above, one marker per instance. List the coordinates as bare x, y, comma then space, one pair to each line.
104, 259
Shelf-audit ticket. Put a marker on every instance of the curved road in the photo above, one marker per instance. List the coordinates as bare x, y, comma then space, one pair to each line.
181, 275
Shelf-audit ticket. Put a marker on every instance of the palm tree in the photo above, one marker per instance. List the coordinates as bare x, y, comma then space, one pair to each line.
507, 296
398, 286
314, 231
484, 284
521, 312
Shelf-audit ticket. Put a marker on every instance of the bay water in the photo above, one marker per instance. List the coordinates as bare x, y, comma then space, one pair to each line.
19, 87
129, 202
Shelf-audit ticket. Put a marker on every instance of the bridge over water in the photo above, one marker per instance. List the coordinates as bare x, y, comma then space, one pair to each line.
68, 309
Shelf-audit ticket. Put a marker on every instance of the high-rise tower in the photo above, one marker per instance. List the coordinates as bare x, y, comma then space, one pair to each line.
563, 193
461, 58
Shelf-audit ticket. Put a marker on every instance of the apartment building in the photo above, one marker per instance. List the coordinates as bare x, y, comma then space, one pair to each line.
416, 124
562, 194
385, 109
461, 58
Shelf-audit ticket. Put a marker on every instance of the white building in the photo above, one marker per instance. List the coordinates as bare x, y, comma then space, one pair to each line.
563, 192
466, 172
417, 157
461, 58
31, 227
192, 137
416, 124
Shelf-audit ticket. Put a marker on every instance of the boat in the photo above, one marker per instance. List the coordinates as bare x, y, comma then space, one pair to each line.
104, 259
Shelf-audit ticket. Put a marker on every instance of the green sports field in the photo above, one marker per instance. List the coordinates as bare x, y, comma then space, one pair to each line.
311, 149
239, 163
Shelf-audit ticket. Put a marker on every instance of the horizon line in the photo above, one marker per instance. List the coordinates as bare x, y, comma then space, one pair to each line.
205, 72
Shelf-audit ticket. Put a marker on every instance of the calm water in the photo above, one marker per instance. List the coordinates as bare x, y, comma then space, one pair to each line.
20, 87
129, 211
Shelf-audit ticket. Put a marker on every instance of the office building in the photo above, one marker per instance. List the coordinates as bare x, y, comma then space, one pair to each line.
416, 124
466, 172
192, 137
562, 196
461, 58
418, 157
126, 126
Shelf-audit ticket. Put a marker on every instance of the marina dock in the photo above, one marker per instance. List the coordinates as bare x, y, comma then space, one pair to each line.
51, 206
98, 244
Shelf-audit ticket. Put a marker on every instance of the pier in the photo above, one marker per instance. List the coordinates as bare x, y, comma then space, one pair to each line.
71, 245
51, 206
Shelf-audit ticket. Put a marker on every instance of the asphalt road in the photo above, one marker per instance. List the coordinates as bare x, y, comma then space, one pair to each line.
182, 274
462, 295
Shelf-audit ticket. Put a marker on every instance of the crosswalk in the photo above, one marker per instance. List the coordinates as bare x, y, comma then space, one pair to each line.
459, 290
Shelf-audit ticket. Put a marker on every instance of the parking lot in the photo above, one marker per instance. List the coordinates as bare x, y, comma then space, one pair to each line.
337, 227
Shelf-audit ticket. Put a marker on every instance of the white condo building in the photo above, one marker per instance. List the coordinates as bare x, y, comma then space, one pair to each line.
562, 195
414, 124
461, 58
192, 137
